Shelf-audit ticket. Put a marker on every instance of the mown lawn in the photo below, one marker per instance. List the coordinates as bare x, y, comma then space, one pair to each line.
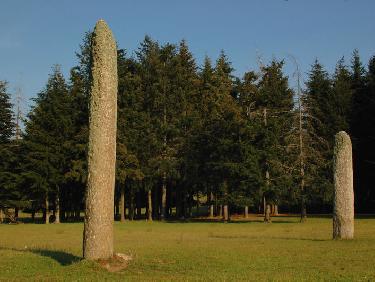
282, 250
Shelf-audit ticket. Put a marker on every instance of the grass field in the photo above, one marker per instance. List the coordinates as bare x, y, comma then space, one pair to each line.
209, 251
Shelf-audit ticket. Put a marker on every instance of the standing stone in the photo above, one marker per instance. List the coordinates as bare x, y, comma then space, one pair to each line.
98, 228
343, 210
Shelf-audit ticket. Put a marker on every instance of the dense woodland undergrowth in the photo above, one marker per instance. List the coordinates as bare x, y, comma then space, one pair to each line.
192, 135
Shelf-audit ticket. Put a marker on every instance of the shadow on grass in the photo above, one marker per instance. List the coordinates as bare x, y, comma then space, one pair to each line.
63, 258
301, 239
235, 221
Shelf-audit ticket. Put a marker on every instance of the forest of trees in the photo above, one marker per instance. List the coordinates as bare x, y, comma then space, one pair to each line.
192, 135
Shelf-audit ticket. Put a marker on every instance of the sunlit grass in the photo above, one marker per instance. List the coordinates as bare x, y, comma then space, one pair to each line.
283, 250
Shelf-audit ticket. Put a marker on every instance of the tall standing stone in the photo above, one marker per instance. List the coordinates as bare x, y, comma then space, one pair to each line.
98, 229
343, 210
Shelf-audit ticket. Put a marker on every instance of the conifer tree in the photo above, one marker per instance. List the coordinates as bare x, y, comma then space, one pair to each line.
47, 132
341, 98
185, 83
129, 126
246, 96
274, 104
6, 115
318, 104
76, 176
364, 131
8, 191
358, 123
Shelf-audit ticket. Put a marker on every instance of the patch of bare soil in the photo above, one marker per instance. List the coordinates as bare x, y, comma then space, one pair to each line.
117, 263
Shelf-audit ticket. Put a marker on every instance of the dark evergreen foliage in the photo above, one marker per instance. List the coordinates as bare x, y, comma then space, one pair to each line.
194, 135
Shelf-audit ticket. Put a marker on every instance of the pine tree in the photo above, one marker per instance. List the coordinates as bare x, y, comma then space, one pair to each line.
341, 98
129, 126
303, 149
153, 105
47, 133
8, 190
319, 101
216, 164
274, 106
319, 105
364, 136
357, 128
196, 174
246, 96
6, 115
79, 90
185, 83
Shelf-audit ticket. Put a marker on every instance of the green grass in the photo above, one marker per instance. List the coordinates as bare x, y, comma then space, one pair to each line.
283, 250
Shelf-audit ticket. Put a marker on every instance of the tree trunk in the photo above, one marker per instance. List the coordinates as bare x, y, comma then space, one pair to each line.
169, 201
155, 203
197, 206
57, 208
190, 210
184, 205
122, 203
139, 212
16, 212
215, 205
276, 210
149, 205
246, 211
178, 203
211, 205
62, 214
264, 205
303, 212
220, 210
117, 208
46, 219
77, 213
139, 205
267, 217
1, 215
163, 211
225, 213
131, 205
98, 227
301, 155
33, 215
343, 210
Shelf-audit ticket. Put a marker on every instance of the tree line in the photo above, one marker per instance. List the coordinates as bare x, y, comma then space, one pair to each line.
191, 135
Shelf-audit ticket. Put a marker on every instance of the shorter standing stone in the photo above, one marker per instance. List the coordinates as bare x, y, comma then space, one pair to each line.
343, 209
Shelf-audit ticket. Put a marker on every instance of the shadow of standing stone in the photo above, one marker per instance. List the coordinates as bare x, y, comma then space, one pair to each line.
63, 258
